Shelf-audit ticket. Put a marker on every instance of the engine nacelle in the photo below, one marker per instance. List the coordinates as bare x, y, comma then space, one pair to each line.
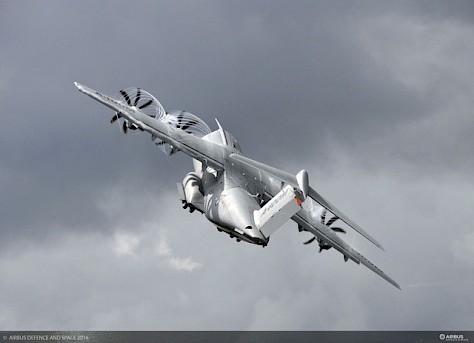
190, 192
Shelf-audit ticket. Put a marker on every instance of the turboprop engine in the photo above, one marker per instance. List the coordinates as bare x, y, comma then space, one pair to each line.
190, 193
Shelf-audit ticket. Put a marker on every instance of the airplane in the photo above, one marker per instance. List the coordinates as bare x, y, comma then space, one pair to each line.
242, 197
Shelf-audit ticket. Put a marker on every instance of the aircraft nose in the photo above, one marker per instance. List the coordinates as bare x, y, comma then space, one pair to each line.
261, 241
256, 236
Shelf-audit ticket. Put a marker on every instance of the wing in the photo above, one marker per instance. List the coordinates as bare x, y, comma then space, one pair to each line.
303, 218
200, 149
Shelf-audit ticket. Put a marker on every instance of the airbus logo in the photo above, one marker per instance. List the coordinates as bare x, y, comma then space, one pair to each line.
275, 200
452, 338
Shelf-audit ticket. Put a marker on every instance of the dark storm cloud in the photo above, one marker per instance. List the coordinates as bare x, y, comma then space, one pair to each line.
374, 99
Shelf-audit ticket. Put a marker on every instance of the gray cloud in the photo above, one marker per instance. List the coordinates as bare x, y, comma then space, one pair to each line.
373, 99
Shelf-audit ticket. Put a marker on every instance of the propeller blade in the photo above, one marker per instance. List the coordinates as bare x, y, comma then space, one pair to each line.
332, 220
323, 216
138, 97
323, 246
127, 98
188, 125
180, 119
124, 127
146, 104
114, 118
310, 240
338, 229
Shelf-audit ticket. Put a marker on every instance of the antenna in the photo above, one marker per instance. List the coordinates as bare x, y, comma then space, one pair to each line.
222, 132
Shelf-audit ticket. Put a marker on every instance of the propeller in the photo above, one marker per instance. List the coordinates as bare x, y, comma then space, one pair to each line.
142, 100
311, 240
145, 102
184, 122
323, 245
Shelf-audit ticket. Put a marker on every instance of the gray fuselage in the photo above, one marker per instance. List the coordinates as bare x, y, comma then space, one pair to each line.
229, 198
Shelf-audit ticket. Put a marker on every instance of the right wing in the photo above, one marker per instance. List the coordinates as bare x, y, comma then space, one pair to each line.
200, 149
306, 221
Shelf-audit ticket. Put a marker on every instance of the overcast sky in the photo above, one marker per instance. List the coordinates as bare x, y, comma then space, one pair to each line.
374, 99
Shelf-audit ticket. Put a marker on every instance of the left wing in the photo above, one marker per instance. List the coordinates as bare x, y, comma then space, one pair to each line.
200, 149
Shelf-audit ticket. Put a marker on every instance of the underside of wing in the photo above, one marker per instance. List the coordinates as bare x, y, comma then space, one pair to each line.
327, 205
325, 234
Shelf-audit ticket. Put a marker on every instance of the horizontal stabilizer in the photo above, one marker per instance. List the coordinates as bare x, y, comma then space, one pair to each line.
277, 211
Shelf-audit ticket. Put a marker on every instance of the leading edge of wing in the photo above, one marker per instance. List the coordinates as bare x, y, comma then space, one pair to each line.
374, 268
303, 218
326, 204
291, 180
193, 146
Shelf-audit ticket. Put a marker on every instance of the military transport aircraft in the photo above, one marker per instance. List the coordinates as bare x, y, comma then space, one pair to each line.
244, 198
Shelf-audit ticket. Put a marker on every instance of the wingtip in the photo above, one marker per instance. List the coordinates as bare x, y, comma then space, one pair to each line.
78, 85
374, 242
391, 281
396, 285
